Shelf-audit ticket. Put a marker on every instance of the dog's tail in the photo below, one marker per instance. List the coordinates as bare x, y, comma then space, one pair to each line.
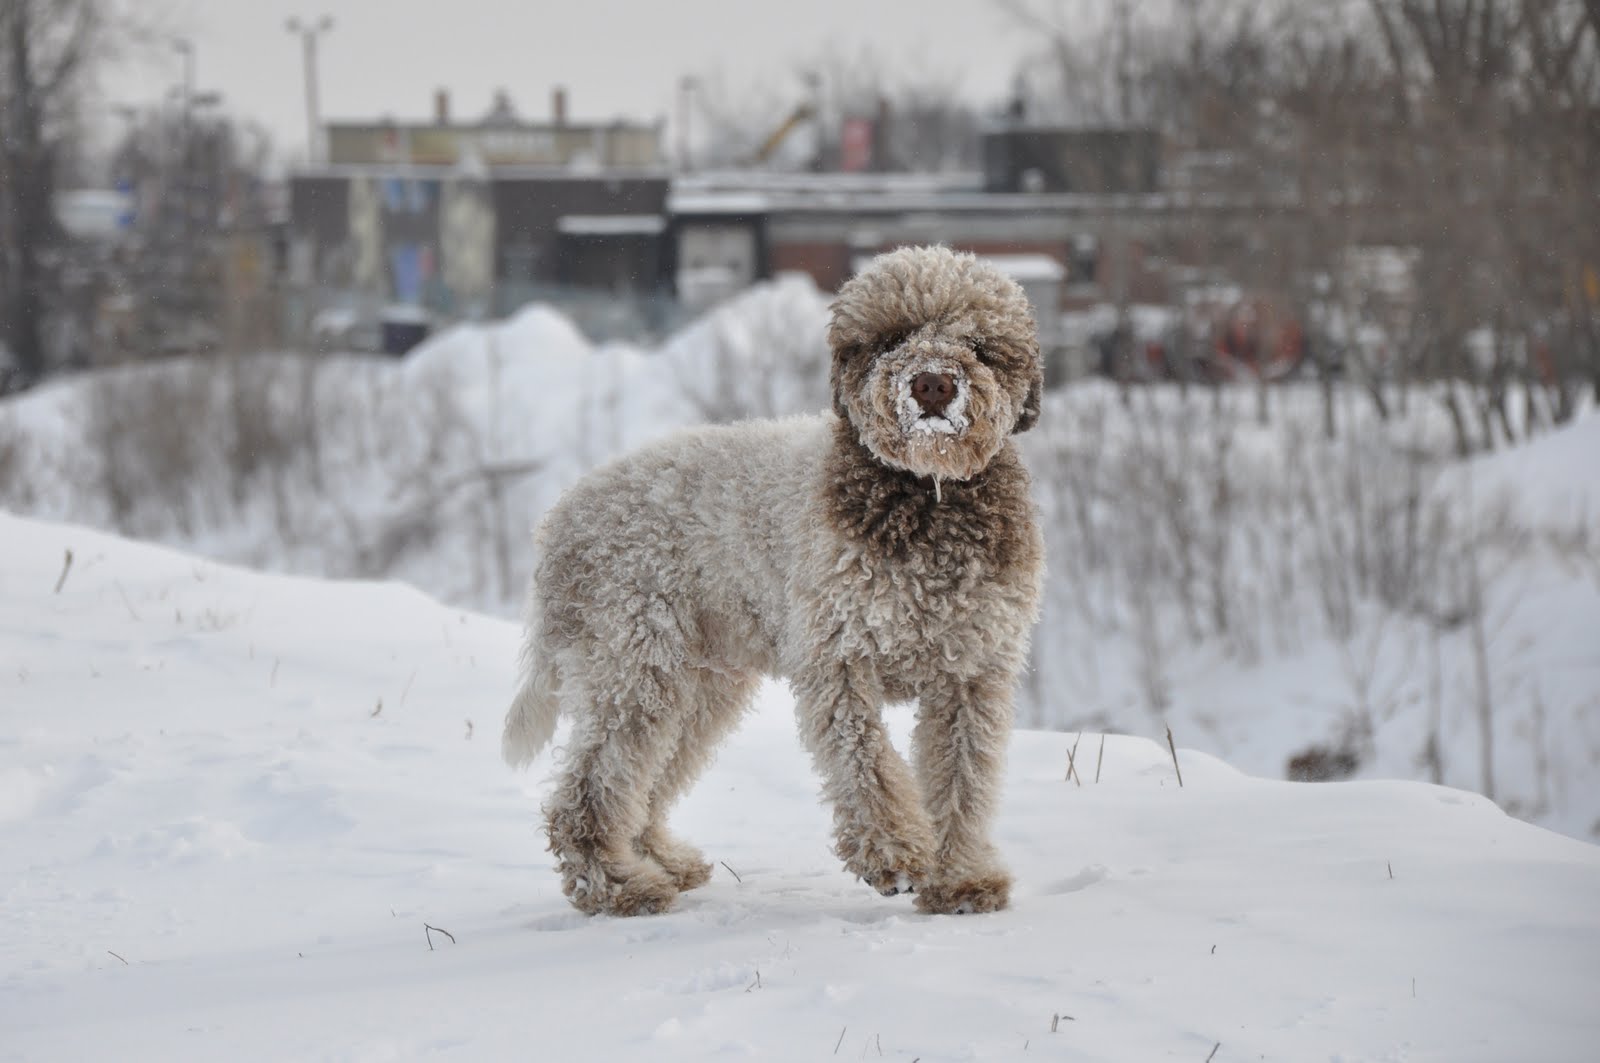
531, 721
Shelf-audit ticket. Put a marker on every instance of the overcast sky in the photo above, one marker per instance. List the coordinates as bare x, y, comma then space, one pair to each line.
616, 58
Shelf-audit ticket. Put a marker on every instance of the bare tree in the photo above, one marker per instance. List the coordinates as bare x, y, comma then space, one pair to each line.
200, 173
1457, 141
45, 49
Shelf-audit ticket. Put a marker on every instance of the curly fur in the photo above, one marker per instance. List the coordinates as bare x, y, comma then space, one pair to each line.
873, 554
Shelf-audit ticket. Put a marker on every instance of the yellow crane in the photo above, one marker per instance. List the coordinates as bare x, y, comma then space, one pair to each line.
803, 113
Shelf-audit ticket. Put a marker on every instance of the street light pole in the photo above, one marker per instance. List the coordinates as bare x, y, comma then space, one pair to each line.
184, 175
308, 32
686, 88
185, 47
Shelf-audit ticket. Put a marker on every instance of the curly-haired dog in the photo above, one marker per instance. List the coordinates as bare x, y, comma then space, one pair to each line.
888, 551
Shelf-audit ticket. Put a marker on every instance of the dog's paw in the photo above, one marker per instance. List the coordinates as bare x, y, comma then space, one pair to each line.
891, 873
648, 893
893, 883
684, 864
891, 862
640, 888
986, 892
688, 876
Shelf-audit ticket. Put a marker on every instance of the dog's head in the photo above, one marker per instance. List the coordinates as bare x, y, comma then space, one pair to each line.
935, 360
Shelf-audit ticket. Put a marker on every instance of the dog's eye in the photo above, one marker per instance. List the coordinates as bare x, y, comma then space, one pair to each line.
984, 352
893, 340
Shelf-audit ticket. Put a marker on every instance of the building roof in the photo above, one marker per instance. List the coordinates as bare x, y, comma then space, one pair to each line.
1021, 268
445, 171
1028, 267
611, 224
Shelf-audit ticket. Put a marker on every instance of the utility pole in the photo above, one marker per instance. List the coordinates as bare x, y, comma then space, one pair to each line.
181, 188
185, 47
308, 32
686, 88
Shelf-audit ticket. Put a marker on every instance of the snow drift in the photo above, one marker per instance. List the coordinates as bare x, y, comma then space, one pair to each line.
248, 816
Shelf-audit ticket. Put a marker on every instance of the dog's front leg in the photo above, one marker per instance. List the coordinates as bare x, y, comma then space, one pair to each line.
880, 829
959, 750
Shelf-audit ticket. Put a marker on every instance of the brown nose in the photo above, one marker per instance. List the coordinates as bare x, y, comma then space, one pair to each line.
933, 392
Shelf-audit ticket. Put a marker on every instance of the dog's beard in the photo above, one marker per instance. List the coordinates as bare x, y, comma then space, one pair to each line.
954, 444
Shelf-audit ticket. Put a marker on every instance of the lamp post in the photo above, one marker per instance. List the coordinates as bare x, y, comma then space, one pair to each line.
185, 47
686, 88
182, 176
308, 32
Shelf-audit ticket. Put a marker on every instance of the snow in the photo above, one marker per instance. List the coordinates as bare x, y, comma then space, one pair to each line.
432, 469
404, 314
1024, 269
682, 203
1553, 477
611, 224
93, 213
232, 802
1028, 267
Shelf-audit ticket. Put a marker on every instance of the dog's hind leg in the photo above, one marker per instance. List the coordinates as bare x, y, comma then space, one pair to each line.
627, 731
719, 699
881, 831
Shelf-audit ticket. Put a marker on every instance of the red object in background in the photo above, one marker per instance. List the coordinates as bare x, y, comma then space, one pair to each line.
1258, 338
855, 145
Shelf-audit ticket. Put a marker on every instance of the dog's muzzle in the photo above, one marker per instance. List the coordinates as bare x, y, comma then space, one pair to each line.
933, 400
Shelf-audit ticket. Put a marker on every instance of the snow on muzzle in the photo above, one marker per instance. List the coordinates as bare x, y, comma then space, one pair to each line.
932, 398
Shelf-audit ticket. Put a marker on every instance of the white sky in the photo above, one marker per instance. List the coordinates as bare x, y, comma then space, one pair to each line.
617, 58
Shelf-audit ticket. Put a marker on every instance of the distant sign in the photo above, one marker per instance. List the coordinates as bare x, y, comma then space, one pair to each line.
94, 213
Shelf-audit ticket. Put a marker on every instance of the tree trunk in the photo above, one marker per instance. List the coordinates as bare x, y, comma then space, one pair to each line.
1458, 420
26, 179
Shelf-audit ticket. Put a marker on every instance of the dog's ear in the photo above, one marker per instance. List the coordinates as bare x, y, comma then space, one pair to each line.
836, 378
1033, 400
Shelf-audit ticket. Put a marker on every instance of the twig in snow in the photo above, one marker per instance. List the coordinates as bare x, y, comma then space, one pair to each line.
732, 872
407, 689
374, 713
1072, 760
272, 682
124, 595
1390, 865
1175, 767
1413, 981
66, 566
469, 730
1055, 1021
428, 932
1213, 1051
756, 984
1101, 758
839, 1042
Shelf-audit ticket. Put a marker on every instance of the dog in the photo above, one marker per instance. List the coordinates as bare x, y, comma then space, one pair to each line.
886, 551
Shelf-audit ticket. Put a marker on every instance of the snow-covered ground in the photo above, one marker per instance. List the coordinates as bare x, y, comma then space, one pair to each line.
231, 804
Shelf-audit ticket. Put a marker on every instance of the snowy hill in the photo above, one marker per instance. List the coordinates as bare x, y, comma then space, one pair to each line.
231, 802
1269, 594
